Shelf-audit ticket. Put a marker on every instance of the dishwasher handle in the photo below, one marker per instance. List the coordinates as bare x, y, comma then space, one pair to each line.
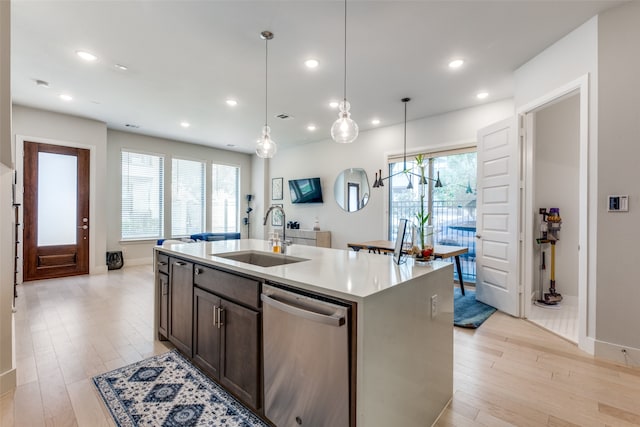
328, 319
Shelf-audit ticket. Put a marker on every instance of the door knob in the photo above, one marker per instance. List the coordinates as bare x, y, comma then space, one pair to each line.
478, 236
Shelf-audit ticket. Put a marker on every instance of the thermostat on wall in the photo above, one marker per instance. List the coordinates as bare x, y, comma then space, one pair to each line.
618, 204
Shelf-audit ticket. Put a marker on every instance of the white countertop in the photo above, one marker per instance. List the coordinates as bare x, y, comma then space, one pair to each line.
342, 273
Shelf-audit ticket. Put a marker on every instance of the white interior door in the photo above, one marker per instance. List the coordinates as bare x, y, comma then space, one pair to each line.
497, 222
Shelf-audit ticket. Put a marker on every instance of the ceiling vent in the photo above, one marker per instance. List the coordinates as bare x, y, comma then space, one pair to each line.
283, 116
132, 126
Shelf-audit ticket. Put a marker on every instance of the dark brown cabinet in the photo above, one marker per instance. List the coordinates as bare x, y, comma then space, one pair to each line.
215, 318
206, 349
227, 338
163, 304
181, 305
240, 351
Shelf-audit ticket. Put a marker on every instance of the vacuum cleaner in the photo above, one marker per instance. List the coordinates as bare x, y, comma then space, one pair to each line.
549, 231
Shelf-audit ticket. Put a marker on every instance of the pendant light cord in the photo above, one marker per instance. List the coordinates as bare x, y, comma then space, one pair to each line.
266, 79
405, 135
345, 50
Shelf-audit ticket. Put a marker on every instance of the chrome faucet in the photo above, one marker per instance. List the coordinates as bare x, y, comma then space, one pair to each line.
284, 242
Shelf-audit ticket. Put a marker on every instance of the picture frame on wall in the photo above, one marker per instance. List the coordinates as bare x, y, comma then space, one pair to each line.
276, 217
276, 188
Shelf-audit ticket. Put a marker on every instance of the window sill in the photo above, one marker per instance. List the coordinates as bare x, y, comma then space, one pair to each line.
137, 241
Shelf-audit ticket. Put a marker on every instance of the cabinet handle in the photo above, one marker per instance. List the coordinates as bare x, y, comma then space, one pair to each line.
197, 271
165, 288
215, 312
220, 311
162, 263
180, 263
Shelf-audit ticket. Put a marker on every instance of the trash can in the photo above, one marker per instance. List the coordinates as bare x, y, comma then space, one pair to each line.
114, 260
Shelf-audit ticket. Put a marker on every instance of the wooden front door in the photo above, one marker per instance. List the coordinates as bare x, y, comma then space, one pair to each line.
56, 211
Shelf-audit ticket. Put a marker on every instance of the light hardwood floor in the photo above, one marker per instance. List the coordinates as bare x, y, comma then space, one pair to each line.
507, 372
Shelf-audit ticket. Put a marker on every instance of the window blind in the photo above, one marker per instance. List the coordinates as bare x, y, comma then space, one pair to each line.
187, 197
225, 188
142, 195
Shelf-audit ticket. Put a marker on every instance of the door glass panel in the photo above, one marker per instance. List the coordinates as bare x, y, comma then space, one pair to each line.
57, 199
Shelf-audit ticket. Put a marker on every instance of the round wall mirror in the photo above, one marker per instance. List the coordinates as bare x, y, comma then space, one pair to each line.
351, 189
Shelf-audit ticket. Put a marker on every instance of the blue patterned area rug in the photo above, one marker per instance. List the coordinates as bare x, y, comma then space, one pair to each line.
167, 390
467, 312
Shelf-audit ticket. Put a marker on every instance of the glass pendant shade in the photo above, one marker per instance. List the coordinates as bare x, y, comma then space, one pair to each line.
344, 130
266, 147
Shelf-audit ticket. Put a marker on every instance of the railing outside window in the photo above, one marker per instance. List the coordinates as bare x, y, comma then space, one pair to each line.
454, 223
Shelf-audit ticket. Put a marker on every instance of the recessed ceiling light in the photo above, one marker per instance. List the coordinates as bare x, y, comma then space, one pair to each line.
66, 97
482, 95
232, 102
311, 127
456, 63
121, 67
311, 63
334, 104
86, 55
42, 83
185, 124
231, 145
375, 122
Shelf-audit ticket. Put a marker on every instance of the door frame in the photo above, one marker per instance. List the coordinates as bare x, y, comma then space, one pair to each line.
19, 166
586, 293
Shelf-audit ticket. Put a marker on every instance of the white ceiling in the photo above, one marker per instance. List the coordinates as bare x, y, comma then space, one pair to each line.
185, 58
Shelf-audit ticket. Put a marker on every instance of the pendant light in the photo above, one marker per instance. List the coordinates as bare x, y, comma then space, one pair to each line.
422, 180
344, 130
266, 147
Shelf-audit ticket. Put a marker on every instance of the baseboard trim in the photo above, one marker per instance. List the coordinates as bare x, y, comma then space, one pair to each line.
138, 261
8, 381
624, 355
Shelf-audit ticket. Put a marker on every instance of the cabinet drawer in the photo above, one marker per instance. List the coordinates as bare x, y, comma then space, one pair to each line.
238, 288
163, 263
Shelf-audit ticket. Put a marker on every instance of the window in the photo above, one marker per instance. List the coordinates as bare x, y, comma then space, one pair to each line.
452, 207
225, 186
187, 197
142, 196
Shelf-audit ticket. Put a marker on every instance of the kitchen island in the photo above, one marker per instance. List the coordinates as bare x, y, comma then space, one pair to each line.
401, 336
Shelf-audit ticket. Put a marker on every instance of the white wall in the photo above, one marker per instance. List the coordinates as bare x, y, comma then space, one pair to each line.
36, 125
141, 252
327, 159
261, 190
7, 359
557, 149
619, 173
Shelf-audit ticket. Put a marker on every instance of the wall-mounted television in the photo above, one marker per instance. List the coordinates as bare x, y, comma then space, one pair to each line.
307, 190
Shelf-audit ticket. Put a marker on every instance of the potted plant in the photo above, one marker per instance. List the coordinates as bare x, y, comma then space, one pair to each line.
422, 216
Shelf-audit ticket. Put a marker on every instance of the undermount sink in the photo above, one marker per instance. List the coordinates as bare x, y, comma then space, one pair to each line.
260, 258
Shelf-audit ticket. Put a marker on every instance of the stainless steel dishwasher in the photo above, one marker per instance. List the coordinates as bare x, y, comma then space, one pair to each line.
306, 359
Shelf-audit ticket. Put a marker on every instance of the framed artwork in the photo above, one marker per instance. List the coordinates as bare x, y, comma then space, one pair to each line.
276, 188
276, 217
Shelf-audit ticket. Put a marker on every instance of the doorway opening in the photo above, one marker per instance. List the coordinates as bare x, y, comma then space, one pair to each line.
556, 174
555, 152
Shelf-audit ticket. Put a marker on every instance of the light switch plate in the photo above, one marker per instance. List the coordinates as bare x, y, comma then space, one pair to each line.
618, 203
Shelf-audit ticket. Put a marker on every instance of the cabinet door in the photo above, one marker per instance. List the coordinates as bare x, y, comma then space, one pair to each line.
206, 345
162, 291
241, 353
181, 305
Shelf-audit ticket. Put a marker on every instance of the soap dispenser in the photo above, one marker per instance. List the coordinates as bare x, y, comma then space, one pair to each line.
276, 243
